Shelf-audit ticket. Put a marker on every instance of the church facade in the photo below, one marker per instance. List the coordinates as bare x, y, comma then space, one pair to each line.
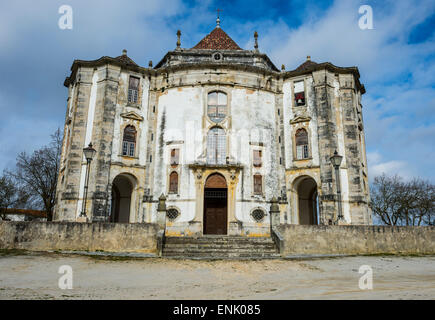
218, 131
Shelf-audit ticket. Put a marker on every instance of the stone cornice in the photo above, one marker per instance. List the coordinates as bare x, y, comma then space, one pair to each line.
210, 65
330, 67
104, 61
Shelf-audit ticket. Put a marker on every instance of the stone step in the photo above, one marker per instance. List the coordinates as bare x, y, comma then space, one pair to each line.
223, 256
217, 240
214, 250
221, 245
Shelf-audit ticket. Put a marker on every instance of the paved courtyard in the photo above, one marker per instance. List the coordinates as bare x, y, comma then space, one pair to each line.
35, 276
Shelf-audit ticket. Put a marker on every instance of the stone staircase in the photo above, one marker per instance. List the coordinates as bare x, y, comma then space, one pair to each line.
220, 247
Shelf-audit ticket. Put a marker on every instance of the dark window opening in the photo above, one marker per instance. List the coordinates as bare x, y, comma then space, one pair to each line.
173, 182
133, 90
301, 144
257, 158
299, 93
258, 184
174, 157
129, 141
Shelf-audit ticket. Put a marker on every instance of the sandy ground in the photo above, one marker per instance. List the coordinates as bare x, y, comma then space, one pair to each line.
35, 276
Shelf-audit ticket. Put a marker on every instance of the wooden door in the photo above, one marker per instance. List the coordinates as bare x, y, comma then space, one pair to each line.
215, 212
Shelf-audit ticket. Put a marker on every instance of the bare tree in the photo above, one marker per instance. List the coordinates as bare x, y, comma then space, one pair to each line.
397, 202
37, 174
11, 196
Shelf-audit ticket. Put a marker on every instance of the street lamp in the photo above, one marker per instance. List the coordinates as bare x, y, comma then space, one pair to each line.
336, 161
89, 153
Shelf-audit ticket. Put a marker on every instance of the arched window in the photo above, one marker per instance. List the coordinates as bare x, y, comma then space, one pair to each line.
129, 141
133, 89
217, 106
301, 144
216, 146
173, 182
258, 184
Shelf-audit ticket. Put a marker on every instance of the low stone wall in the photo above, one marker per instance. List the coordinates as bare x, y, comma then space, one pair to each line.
300, 239
75, 236
138, 237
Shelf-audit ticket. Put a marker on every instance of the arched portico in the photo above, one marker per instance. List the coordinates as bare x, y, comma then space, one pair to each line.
306, 200
123, 191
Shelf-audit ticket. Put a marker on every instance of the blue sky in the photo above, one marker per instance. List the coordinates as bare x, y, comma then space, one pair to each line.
395, 59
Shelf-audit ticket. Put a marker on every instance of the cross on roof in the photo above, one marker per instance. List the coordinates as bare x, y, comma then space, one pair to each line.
218, 10
218, 21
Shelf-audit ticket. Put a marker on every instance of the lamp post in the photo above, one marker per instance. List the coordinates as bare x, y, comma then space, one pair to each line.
89, 153
336, 161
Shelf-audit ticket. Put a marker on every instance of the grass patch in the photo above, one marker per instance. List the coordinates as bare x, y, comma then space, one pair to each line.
12, 252
98, 257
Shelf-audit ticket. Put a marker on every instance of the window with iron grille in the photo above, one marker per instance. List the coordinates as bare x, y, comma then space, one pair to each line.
172, 214
257, 158
174, 157
301, 144
217, 106
173, 182
133, 89
258, 215
129, 141
258, 184
299, 93
216, 146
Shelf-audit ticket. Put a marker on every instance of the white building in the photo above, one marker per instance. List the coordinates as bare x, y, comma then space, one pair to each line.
219, 131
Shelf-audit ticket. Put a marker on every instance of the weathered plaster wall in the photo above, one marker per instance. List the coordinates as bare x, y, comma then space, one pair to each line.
112, 237
300, 239
172, 113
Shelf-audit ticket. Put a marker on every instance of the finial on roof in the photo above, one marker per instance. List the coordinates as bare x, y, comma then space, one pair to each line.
256, 40
124, 52
178, 39
282, 67
150, 64
308, 58
218, 21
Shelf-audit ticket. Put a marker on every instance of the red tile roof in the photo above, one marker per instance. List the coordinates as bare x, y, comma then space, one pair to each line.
126, 60
217, 40
34, 213
306, 65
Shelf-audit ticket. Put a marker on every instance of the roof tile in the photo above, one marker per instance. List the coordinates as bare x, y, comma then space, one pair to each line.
217, 40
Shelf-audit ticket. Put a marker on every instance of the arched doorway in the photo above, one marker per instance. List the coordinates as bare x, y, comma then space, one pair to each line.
215, 205
122, 189
306, 189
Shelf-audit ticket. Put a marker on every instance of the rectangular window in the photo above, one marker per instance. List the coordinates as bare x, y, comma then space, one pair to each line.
128, 149
131, 150
299, 93
257, 158
124, 148
302, 151
175, 157
258, 184
133, 89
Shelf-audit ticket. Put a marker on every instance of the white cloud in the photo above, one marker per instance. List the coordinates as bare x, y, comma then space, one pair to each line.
378, 167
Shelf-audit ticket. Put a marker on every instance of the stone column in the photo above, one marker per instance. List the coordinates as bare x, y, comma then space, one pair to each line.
161, 212
274, 213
